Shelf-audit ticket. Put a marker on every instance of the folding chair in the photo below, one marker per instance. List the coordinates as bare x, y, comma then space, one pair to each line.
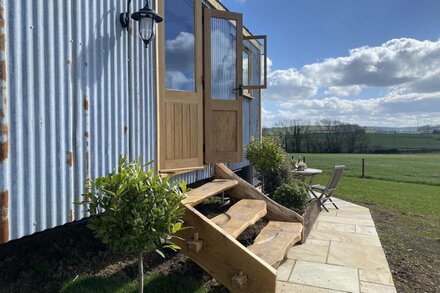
327, 191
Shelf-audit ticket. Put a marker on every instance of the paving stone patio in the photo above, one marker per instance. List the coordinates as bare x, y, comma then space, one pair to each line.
342, 254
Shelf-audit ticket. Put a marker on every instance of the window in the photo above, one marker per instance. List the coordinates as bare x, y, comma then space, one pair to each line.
180, 45
246, 71
223, 58
254, 63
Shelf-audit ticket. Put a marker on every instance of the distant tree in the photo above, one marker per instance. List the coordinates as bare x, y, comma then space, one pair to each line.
355, 138
292, 132
332, 132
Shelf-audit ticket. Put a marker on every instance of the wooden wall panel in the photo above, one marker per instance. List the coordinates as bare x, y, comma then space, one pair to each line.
182, 130
225, 131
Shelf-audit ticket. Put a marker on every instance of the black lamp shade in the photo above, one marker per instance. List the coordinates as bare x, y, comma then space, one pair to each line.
147, 19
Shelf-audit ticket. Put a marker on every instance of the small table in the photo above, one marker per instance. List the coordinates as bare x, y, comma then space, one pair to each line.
308, 172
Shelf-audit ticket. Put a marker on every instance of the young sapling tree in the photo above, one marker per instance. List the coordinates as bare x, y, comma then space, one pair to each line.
135, 210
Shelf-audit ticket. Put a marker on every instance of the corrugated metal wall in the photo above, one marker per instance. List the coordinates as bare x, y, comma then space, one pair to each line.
81, 92
76, 92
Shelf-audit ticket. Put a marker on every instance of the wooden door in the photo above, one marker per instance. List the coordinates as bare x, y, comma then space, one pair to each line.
180, 112
223, 35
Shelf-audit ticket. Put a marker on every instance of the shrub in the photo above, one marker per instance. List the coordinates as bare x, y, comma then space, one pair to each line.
266, 156
136, 210
271, 162
293, 195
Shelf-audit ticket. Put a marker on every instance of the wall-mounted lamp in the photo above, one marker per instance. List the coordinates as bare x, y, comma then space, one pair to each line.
147, 18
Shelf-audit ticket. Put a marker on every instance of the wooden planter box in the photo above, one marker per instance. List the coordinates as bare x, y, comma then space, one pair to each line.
310, 215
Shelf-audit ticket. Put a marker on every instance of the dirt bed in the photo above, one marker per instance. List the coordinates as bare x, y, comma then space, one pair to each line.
411, 251
44, 261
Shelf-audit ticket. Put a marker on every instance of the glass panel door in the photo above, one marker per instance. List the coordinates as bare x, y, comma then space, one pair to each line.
223, 72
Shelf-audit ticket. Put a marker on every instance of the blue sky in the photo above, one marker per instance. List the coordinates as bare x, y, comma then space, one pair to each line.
372, 62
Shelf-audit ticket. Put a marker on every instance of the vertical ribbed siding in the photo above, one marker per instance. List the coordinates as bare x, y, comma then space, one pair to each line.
142, 110
79, 92
72, 108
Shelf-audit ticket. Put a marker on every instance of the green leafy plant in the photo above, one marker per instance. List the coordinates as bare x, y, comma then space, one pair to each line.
136, 211
272, 163
293, 195
267, 156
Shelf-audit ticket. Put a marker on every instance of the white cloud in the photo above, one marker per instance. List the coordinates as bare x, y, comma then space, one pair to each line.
289, 84
178, 80
390, 110
407, 70
343, 91
396, 62
180, 52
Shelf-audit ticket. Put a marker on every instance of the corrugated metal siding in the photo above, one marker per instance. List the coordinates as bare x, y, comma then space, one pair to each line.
79, 92
73, 109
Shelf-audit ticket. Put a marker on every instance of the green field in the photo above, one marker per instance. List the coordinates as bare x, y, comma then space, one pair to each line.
412, 168
403, 141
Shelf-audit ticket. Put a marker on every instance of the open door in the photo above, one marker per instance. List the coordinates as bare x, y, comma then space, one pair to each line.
180, 110
223, 36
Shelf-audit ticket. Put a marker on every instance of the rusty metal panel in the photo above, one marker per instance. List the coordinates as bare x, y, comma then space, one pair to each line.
4, 132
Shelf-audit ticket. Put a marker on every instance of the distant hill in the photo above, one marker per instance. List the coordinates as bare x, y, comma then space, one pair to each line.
392, 129
410, 129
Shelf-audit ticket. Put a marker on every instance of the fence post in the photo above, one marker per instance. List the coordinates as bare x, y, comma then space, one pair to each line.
304, 159
363, 167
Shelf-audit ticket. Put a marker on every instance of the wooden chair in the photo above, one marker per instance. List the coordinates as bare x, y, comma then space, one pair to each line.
327, 191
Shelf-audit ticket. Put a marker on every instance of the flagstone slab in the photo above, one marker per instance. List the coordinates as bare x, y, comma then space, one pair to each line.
376, 288
345, 237
309, 251
344, 220
318, 242
335, 227
284, 270
378, 277
325, 276
355, 215
368, 257
284, 287
366, 230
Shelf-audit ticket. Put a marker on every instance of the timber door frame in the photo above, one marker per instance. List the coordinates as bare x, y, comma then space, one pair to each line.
166, 97
212, 105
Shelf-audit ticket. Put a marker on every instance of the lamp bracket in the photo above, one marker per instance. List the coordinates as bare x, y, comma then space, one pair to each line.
124, 19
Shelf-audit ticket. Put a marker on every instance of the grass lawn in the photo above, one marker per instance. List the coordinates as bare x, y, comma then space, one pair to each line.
414, 168
154, 283
406, 213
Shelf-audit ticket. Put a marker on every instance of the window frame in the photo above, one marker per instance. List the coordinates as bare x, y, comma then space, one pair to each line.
264, 84
198, 65
247, 92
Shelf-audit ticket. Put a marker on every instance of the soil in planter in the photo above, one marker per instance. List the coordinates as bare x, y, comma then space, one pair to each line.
44, 261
